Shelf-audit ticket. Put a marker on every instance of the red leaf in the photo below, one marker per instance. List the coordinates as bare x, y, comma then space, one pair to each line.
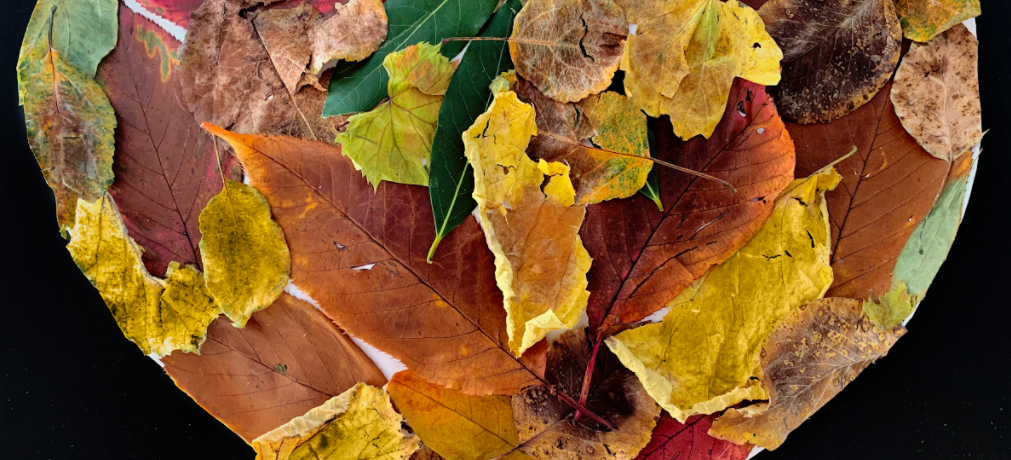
690, 441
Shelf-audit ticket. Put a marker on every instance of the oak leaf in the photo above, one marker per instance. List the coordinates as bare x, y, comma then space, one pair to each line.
936, 94
393, 142
287, 360
703, 356
359, 424
82, 32
837, 54
673, 440
568, 49
922, 20
540, 261
809, 358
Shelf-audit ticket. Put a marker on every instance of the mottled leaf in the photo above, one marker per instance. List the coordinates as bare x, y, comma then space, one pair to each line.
837, 54
922, 20
809, 358
81, 31
673, 440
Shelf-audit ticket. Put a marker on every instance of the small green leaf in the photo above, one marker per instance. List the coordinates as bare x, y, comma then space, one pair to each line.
927, 248
83, 31
652, 188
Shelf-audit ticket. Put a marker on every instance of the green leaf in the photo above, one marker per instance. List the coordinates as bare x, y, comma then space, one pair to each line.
451, 180
83, 31
652, 188
927, 248
360, 86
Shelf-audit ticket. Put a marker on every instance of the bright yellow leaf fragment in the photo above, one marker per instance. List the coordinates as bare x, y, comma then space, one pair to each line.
685, 55
159, 316
359, 424
540, 261
701, 358
393, 142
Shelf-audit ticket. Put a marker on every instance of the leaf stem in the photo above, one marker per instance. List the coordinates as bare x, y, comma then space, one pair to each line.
587, 378
579, 407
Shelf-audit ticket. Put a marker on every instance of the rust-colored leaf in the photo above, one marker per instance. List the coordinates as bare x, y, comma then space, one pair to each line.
179, 11
287, 360
888, 187
673, 440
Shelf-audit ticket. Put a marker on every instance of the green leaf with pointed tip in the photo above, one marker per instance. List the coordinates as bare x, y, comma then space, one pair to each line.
652, 188
83, 31
451, 180
927, 248
360, 86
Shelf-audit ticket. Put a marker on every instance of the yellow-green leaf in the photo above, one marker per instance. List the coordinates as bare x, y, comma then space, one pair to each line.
82, 31
159, 316
892, 308
393, 142
540, 261
621, 127
704, 354
359, 424
246, 260
922, 20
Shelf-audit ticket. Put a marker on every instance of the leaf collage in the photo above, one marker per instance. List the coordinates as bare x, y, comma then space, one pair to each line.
602, 229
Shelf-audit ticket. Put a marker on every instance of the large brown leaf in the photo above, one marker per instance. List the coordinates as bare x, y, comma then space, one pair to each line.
888, 187
362, 255
644, 258
288, 359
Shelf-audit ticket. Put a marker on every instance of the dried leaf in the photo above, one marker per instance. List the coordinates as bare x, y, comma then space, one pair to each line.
288, 359
246, 260
393, 142
568, 49
425, 453
159, 316
285, 36
547, 429
179, 11
936, 94
809, 358
703, 357
360, 424
82, 32
540, 261
673, 440
362, 255
457, 426
892, 308
922, 20
354, 32
837, 54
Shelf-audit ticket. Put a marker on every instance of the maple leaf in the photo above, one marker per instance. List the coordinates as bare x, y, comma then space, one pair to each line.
810, 357
702, 357
837, 54
922, 20
288, 359
393, 142
936, 94
359, 424
568, 49
81, 31
673, 440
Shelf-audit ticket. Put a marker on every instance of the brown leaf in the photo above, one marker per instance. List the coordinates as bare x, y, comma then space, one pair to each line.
569, 49
673, 440
362, 256
287, 360
837, 54
888, 187
285, 36
354, 32
810, 357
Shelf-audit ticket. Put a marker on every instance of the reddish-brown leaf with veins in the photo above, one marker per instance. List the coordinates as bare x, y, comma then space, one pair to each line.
673, 440
287, 360
888, 187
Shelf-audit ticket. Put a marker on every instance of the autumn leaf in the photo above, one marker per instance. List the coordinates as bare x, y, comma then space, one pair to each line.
673, 440
393, 142
702, 357
425, 453
68, 118
361, 254
568, 49
547, 427
890, 309
82, 32
809, 358
178, 11
285, 36
456, 426
936, 94
837, 54
359, 424
922, 20
888, 187
159, 316
353, 33
287, 360
246, 260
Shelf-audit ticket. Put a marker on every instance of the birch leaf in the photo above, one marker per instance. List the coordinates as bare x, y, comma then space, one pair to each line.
82, 31
808, 359
922, 20
393, 142
246, 260
703, 356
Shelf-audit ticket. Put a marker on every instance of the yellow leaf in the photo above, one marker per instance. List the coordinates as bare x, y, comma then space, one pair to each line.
685, 55
393, 142
922, 20
621, 127
359, 424
159, 316
702, 357
540, 261
892, 308
246, 260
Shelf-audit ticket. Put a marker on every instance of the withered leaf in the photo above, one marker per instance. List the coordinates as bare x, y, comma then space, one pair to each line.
237, 379
179, 11
936, 94
922, 20
353, 33
569, 49
837, 54
285, 37
673, 440
810, 357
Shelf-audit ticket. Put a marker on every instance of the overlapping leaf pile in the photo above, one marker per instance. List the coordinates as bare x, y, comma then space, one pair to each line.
610, 160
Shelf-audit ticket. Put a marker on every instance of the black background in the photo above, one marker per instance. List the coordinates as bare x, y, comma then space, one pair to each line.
74, 388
